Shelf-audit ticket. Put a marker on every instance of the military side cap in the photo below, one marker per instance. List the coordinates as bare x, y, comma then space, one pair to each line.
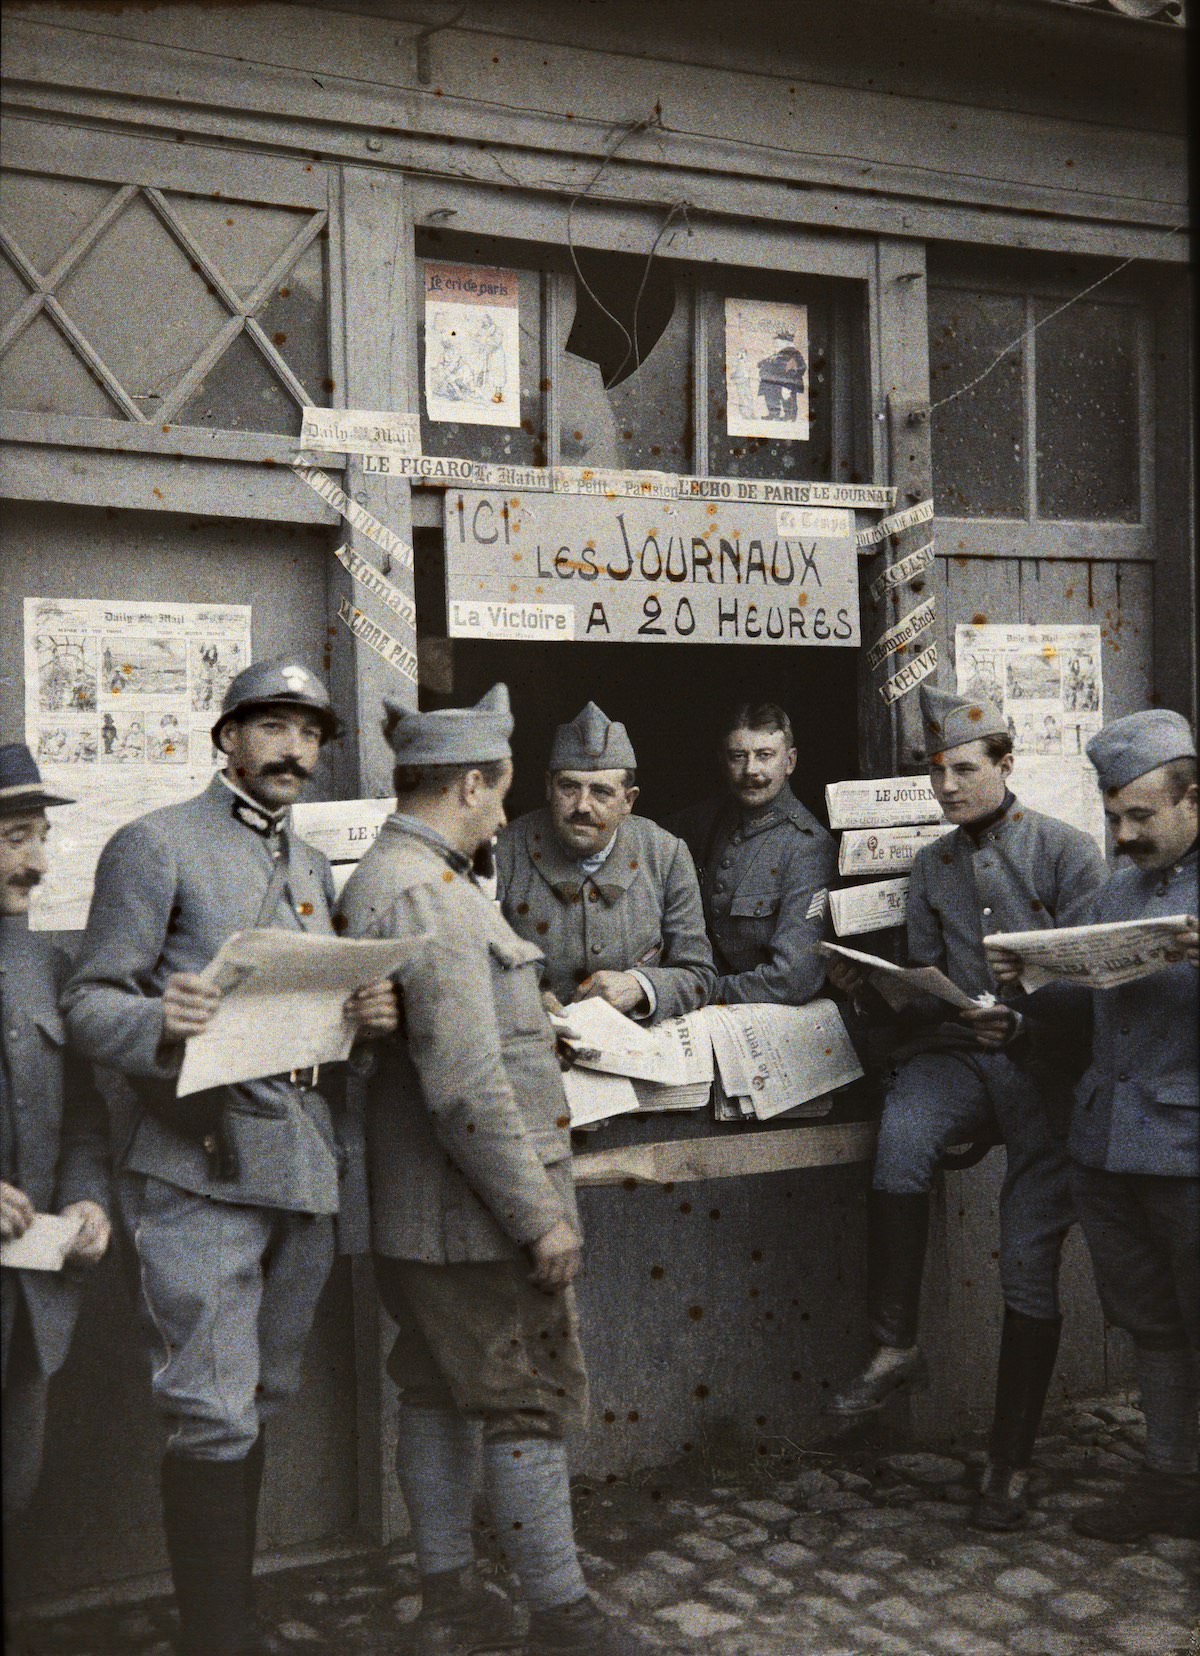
1140, 742
21, 786
950, 721
283, 682
451, 735
592, 742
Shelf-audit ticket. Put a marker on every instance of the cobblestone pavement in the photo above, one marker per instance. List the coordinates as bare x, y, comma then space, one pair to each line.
843, 1551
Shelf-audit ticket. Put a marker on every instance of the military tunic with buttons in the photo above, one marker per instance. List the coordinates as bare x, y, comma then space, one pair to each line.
230, 1267
764, 876
1022, 872
640, 911
55, 1149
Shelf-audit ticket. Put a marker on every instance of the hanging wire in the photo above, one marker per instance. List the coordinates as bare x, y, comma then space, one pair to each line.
626, 131
1029, 332
676, 210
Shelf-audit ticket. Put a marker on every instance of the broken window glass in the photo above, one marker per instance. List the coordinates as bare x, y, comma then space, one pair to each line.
978, 438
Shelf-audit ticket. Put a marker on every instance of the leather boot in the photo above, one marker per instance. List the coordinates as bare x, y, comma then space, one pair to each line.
583, 1629
1028, 1348
208, 1543
1152, 1503
898, 1227
460, 1612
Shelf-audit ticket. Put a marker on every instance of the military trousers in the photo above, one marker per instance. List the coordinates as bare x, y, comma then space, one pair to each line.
938, 1099
228, 1294
26, 1393
480, 1339
1143, 1233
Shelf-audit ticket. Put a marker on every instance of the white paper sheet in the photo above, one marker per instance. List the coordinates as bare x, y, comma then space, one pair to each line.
900, 985
282, 1004
781, 1057
608, 1040
1099, 956
885, 850
45, 1245
1048, 683
593, 1096
867, 908
881, 802
120, 698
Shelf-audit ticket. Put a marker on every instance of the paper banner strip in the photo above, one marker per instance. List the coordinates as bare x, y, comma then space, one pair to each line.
368, 576
920, 513
909, 677
903, 633
906, 570
360, 431
363, 521
393, 652
432, 468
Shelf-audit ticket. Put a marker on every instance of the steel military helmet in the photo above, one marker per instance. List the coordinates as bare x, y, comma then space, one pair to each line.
283, 682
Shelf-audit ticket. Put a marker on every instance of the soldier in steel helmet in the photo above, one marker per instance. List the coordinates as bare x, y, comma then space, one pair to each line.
229, 1195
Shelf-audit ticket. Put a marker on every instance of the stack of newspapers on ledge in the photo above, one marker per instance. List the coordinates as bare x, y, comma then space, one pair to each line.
755, 1062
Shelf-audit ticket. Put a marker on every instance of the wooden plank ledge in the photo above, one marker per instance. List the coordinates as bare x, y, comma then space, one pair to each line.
730, 1156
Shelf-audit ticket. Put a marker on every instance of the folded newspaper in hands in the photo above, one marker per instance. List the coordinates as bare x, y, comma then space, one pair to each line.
901, 985
1100, 957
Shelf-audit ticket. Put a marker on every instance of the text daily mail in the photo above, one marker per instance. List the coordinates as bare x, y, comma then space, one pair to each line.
619, 569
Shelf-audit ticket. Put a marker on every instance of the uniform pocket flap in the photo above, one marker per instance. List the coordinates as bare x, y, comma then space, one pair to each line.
753, 904
49, 1021
1182, 1092
515, 951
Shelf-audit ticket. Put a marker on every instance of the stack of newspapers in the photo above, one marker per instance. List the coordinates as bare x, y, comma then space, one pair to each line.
759, 1061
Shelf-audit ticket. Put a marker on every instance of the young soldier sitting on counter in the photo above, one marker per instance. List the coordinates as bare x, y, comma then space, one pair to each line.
610, 899
1005, 868
1135, 1135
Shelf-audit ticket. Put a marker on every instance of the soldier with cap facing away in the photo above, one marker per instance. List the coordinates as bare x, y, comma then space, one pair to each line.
765, 863
610, 899
1135, 1133
473, 1218
55, 1132
1004, 868
229, 1194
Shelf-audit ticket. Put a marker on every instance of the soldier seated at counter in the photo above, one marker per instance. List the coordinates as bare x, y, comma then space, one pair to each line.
765, 863
610, 898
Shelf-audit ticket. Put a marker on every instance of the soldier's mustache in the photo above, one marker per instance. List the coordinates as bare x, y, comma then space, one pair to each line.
25, 882
286, 767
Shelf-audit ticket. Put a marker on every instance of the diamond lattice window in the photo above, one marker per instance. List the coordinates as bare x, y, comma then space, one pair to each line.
159, 306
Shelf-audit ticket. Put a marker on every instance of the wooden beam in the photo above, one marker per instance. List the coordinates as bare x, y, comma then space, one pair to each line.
728, 1155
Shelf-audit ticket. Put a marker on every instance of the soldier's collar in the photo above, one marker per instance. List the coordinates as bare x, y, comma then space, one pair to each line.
436, 842
252, 815
982, 825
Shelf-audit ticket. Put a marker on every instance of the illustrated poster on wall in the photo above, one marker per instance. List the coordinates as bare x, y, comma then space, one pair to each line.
472, 345
120, 700
1047, 681
766, 370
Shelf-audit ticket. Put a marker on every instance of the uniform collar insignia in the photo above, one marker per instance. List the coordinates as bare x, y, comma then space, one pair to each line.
251, 817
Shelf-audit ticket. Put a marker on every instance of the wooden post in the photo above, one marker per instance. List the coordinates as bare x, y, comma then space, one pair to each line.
376, 265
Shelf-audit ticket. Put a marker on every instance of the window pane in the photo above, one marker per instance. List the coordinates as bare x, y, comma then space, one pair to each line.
761, 456
979, 438
1087, 413
643, 421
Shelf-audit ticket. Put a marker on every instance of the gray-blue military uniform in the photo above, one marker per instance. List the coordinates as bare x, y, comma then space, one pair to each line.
54, 1147
764, 879
170, 889
1023, 872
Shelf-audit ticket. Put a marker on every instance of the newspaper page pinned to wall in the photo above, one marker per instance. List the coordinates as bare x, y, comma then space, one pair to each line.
1047, 682
472, 345
766, 370
120, 700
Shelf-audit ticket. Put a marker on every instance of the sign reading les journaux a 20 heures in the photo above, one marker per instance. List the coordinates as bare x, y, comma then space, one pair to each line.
616, 568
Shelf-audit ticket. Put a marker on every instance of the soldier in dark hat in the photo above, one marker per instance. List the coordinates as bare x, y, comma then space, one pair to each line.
609, 898
229, 1194
1005, 868
1135, 1134
54, 1143
765, 863
473, 1218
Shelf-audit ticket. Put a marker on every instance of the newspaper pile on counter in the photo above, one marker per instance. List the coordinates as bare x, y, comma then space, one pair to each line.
761, 1061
